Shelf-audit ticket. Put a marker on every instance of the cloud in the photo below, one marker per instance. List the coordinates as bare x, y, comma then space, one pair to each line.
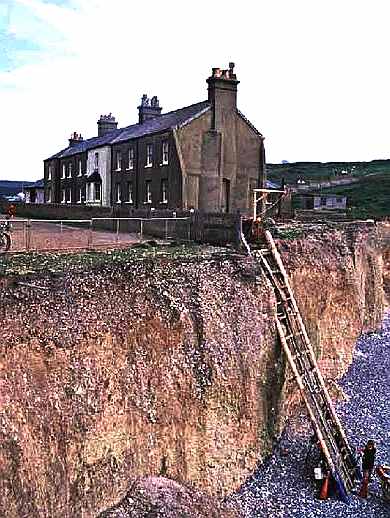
313, 75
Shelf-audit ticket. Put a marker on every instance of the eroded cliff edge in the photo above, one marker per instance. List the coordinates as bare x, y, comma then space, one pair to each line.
163, 364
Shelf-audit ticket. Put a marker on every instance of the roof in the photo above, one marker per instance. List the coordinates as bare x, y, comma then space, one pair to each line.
39, 184
170, 120
271, 185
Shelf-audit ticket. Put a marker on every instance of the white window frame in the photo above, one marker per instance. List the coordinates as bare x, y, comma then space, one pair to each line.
148, 192
49, 172
62, 195
165, 152
95, 190
130, 165
149, 155
80, 197
118, 158
69, 172
48, 195
80, 172
118, 193
63, 171
69, 190
164, 192
130, 193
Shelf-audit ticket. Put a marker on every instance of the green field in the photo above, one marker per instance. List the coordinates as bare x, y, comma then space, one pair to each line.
370, 198
324, 171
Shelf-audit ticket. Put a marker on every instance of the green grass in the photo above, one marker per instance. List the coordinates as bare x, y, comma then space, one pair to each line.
370, 198
25, 264
325, 171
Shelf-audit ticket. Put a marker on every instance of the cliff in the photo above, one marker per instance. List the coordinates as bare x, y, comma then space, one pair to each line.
117, 366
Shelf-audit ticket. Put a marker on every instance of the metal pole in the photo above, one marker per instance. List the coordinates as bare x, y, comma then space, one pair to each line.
141, 229
90, 234
117, 230
28, 235
166, 229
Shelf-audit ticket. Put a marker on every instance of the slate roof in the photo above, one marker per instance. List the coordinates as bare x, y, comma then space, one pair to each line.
39, 184
173, 119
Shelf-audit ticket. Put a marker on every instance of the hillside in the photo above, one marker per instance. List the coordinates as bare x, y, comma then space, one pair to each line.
370, 198
11, 188
323, 171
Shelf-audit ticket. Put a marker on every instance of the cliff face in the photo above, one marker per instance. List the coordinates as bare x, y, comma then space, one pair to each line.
165, 366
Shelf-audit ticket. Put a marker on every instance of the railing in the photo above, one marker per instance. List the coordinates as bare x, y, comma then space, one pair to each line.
29, 235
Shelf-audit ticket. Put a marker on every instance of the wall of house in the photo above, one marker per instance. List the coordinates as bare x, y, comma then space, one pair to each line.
104, 170
190, 142
248, 147
210, 157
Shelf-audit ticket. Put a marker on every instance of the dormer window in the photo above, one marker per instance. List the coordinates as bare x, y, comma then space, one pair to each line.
165, 152
118, 161
149, 155
96, 163
131, 159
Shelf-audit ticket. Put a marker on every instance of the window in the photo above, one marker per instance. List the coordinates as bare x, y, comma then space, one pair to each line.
69, 170
148, 191
48, 196
63, 196
63, 171
80, 195
129, 192
149, 155
165, 152
118, 160
117, 193
68, 195
96, 163
97, 191
80, 172
164, 191
131, 158
50, 172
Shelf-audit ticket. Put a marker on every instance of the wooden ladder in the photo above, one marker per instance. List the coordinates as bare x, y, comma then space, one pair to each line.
301, 358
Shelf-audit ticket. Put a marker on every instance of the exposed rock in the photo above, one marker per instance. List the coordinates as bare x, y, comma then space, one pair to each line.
169, 365
160, 497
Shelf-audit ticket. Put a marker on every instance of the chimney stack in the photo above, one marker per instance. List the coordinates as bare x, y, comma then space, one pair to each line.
75, 138
106, 123
148, 109
222, 94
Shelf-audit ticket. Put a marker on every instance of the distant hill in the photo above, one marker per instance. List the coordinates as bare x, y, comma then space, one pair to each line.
11, 188
368, 198
323, 171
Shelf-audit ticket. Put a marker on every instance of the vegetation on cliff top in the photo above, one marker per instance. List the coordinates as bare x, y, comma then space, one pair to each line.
35, 263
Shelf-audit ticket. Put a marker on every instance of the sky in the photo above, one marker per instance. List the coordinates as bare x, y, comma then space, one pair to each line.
314, 74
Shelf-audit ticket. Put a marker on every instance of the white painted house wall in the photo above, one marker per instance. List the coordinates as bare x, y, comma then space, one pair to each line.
104, 169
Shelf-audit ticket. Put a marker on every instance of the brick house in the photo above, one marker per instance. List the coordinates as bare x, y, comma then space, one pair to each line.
206, 156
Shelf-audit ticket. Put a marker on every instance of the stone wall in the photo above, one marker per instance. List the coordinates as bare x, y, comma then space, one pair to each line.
165, 365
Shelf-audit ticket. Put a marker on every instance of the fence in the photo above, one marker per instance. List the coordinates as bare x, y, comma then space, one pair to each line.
73, 234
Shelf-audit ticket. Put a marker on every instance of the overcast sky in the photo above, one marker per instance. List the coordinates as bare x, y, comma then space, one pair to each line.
314, 73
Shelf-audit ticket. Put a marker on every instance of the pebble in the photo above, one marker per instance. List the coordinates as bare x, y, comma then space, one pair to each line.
283, 485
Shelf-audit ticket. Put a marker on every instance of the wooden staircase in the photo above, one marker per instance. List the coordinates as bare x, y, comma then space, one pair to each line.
301, 358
